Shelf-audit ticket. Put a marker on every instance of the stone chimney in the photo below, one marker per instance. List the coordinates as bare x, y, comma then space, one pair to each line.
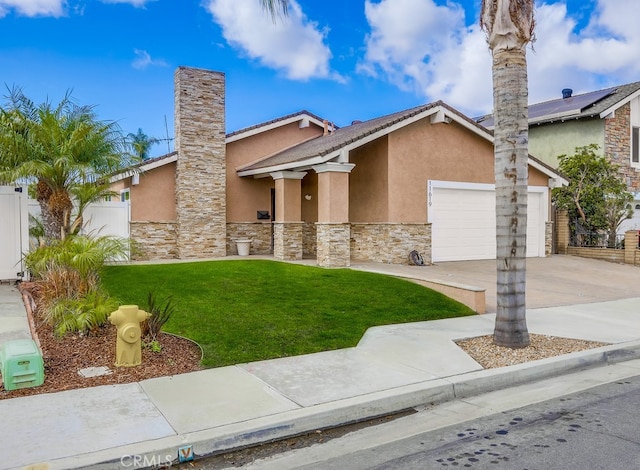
201, 166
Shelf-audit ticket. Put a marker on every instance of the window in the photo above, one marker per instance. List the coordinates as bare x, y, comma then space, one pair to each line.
635, 141
124, 195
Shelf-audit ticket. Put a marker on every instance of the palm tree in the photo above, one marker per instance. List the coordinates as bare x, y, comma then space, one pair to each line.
274, 7
61, 150
141, 143
509, 26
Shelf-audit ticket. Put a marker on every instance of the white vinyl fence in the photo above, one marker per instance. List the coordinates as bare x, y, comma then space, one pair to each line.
100, 218
14, 231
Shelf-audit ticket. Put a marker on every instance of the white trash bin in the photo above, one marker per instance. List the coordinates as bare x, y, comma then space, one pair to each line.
243, 247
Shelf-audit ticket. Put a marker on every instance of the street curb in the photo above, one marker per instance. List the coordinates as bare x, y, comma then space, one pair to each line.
475, 383
303, 420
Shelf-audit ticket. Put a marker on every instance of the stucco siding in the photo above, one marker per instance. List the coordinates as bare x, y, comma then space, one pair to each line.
368, 182
154, 198
422, 151
548, 141
310, 206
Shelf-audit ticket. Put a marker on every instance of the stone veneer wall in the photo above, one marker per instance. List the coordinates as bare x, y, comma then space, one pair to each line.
334, 247
309, 239
287, 240
617, 145
201, 165
258, 232
153, 240
390, 243
548, 238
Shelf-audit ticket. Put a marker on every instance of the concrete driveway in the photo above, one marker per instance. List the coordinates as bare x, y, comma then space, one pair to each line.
554, 281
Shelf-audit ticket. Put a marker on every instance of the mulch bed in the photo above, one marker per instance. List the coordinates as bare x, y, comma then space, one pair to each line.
64, 357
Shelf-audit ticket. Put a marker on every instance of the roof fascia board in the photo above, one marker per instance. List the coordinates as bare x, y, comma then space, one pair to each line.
262, 172
394, 127
144, 167
619, 104
475, 128
159, 163
556, 117
274, 125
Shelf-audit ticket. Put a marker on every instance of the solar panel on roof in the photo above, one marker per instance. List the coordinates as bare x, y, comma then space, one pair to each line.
566, 106
558, 108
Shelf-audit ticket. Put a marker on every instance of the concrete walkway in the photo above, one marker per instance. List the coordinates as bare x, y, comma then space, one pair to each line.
393, 368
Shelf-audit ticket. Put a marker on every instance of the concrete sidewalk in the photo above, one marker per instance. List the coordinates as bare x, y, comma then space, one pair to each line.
393, 368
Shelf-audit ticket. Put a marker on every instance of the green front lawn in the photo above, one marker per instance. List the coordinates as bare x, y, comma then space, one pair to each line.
248, 310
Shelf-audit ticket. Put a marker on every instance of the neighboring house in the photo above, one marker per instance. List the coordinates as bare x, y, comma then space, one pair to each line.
420, 179
609, 118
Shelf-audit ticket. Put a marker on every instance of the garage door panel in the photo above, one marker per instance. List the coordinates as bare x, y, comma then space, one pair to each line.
464, 223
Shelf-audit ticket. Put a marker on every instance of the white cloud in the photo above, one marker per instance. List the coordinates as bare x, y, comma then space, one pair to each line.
144, 60
53, 8
135, 3
434, 50
292, 44
422, 46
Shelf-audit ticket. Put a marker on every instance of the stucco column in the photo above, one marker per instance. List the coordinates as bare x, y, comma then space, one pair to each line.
333, 227
287, 227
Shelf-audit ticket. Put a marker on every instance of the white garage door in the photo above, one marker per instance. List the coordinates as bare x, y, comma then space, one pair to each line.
463, 221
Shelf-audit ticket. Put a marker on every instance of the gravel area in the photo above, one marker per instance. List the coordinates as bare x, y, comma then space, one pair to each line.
490, 356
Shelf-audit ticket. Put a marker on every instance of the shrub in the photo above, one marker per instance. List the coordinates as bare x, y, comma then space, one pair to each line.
67, 273
68, 315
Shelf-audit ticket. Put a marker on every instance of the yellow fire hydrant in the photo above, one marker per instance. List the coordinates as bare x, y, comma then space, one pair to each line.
128, 340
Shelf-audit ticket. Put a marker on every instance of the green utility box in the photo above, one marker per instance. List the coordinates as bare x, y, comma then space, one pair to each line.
21, 364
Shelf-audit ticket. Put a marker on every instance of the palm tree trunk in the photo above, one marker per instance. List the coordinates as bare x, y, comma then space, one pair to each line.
509, 26
511, 154
50, 222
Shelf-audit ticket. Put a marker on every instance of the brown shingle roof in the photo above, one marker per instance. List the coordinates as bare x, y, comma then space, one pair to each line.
341, 137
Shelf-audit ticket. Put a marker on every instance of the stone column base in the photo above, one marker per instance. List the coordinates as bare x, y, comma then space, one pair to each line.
334, 245
287, 240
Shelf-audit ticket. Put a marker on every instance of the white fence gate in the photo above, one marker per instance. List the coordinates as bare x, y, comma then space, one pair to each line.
14, 231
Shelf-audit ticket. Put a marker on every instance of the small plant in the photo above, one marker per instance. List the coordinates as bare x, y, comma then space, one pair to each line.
153, 346
159, 316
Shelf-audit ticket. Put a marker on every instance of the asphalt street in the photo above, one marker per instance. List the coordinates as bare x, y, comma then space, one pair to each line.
596, 428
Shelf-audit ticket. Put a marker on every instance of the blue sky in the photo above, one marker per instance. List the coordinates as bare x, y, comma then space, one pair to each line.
342, 60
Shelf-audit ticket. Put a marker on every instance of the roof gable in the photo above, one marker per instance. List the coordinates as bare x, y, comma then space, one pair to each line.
304, 118
337, 144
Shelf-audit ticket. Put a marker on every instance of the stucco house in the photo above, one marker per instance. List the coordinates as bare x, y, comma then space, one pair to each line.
419, 179
609, 118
